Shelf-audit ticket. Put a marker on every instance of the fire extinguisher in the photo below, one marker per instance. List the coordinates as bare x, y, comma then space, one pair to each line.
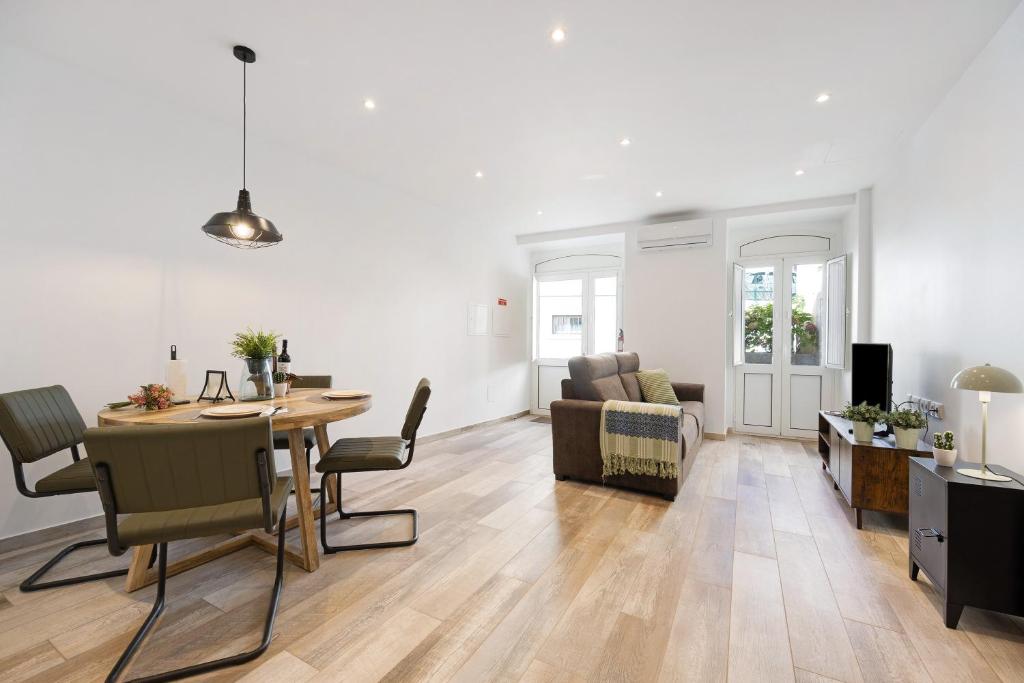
622, 341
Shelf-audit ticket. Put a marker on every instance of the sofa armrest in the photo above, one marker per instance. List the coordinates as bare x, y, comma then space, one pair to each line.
576, 439
688, 392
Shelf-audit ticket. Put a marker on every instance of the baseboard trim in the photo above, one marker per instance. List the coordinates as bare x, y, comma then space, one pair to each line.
470, 428
38, 536
714, 436
51, 533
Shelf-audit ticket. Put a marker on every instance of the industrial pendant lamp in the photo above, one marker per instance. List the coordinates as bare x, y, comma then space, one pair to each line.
242, 228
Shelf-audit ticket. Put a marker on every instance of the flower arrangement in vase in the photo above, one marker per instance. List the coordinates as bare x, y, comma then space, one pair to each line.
943, 449
908, 425
256, 349
863, 418
152, 397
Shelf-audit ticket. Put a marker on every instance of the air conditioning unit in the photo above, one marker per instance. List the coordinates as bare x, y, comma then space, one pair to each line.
698, 232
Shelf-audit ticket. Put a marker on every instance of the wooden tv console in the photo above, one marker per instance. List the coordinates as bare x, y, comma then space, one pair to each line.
871, 476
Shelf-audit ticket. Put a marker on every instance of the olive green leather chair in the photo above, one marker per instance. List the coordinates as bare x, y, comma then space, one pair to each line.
308, 436
373, 454
165, 483
35, 424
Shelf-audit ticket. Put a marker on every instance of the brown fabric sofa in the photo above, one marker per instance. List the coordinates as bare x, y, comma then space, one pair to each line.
576, 421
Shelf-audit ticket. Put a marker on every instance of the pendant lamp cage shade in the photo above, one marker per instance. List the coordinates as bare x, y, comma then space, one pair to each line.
242, 228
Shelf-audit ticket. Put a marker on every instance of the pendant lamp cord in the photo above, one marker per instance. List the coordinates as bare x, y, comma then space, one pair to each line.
244, 92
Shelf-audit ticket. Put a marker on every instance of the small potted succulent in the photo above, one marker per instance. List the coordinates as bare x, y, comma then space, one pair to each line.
908, 425
152, 397
863, 418
256, 349
943, 449
283, 383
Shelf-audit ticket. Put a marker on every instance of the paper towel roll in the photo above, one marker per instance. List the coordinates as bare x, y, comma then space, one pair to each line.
177, 378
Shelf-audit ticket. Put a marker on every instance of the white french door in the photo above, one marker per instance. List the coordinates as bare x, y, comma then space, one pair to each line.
780, 378
575, 313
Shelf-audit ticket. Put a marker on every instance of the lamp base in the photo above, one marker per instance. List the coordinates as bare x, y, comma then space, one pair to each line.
985, 474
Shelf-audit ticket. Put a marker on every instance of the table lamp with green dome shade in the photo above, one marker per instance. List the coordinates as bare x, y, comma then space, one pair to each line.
985, 379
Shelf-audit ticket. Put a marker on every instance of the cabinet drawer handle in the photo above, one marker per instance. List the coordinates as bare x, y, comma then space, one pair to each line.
928, 532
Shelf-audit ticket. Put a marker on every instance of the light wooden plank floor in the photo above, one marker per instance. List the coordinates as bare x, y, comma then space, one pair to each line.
755, 572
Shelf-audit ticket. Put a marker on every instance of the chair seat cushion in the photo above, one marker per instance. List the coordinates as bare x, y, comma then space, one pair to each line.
281, 439
368, 453
176, 525
76, 476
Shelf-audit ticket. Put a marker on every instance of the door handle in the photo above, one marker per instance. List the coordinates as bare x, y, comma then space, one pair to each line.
928, 532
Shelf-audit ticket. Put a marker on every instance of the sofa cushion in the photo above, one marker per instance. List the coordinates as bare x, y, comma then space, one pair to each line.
628, 364
609, 389
690, 431
656, 387
695, 408
596, 378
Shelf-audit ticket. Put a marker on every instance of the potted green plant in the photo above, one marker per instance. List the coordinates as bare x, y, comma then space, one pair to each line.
908, 425
863, 418
943, 449
256, 349
283, 383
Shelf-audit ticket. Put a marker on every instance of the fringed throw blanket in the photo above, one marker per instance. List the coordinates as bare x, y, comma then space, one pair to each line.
639, 438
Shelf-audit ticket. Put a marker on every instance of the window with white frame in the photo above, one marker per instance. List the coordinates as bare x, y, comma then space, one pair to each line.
576, 313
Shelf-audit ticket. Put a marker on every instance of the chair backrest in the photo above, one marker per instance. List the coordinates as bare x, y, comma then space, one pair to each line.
418, 406
156, 468
312, 382
36, 423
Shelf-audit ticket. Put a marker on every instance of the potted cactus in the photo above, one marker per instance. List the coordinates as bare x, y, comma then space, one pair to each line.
280, 384
863, 418
908, 425
943, 449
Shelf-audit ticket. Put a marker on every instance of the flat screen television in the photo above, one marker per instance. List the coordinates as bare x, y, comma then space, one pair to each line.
871, 370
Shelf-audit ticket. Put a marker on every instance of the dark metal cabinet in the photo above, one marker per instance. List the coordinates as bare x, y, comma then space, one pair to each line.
968, 537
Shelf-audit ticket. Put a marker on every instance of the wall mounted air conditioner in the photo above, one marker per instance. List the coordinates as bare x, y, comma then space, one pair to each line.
677, 235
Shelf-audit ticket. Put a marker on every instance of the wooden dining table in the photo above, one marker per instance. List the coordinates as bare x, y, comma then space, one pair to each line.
301, 409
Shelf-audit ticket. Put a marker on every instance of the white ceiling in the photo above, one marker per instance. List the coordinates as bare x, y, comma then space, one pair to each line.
717, 96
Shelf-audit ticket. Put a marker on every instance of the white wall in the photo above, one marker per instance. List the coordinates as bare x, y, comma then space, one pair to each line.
857, 246
674, 315
948, 235
103, 266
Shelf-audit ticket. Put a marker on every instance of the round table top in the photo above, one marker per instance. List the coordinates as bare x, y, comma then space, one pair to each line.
305, 408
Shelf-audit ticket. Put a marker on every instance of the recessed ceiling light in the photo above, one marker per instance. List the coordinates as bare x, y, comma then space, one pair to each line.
558, 35
658, 193
369, 104
479, 174
823, 98
799, 171
625, 142
540, 213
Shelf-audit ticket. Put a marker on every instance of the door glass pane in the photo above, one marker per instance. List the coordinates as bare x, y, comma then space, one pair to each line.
758, 298
806, 314
606, 329
560, 318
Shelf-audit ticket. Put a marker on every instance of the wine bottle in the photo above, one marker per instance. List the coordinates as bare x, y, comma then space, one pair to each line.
284, 361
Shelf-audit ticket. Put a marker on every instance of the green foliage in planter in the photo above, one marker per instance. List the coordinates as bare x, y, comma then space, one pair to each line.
907, 418
758, 328
944, 441
251, 344
863, 413
280, 377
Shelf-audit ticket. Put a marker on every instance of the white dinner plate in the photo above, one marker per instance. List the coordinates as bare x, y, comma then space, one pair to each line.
234, 411
339, 394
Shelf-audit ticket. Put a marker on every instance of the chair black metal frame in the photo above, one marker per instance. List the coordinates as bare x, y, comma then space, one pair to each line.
342, 514
32, 582
106, 493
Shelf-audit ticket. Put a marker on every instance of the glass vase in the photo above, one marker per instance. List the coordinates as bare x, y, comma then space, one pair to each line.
257, 382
